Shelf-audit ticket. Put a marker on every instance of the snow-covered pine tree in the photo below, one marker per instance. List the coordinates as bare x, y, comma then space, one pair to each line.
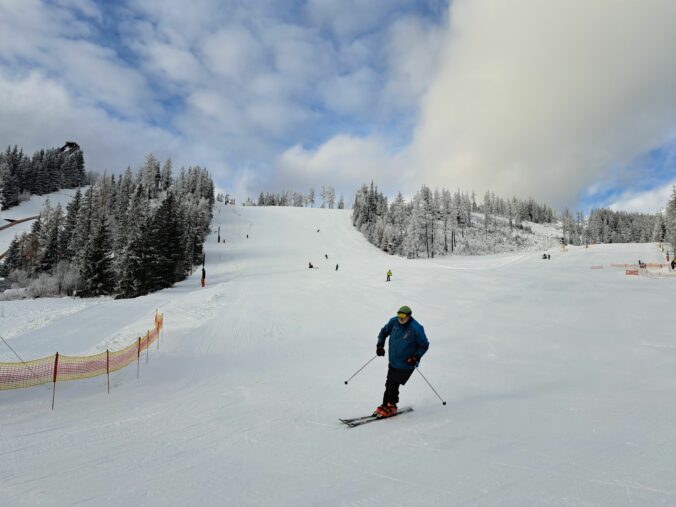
150, 176
69, 226
96, 271
51, 232
166, 177
13, 259
132, 274
660, 230
670, 221
79, 237
9, 190
165, 252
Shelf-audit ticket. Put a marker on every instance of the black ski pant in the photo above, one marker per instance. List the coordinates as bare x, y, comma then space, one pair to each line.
395, 377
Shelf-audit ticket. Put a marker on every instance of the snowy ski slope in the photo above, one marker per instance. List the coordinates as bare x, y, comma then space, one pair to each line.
560, 381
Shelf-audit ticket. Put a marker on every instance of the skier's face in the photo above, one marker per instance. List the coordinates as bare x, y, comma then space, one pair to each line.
403, 318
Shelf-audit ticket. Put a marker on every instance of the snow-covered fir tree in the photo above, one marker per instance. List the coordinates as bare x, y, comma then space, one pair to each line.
297, 199
119, 237
670, 221
438, 222
46, 171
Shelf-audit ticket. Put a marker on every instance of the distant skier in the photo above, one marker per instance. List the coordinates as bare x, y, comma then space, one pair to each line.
408, 344
326, 255
247, 236
389, 275
673, 264
309, 265
544, 255
204, 277
336, 267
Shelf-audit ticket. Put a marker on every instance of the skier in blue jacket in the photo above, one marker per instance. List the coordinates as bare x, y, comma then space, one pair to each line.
408, 344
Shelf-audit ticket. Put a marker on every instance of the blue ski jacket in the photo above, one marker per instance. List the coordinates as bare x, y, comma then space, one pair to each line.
406, 340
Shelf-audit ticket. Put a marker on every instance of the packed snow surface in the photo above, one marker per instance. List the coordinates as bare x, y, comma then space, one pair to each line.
560, 380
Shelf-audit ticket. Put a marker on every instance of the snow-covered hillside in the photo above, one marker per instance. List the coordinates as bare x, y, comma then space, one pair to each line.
560, 380
27, 209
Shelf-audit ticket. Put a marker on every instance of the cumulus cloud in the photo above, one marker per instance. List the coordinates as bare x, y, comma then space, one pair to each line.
649, 201
344, 161
516, 96
42, 113
542, 98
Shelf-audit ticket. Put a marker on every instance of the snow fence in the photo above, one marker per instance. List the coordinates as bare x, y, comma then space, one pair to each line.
59, 367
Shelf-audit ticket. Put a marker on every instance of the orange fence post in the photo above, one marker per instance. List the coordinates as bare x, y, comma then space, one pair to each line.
138, 358
157, 328
56, 369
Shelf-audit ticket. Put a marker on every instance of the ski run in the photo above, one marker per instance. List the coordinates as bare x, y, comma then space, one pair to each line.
560, 380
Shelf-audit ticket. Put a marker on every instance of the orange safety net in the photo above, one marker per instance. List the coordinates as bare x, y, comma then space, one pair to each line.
27, 374
121, 358
41, 371
78, 367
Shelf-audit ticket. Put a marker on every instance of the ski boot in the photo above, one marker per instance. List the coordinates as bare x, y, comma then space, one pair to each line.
380, 411
385, 410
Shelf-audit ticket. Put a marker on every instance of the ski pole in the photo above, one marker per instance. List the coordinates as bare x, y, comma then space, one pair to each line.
435, 391
360, 369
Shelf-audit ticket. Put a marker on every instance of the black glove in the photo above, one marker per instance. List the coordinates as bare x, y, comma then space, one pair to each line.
412, 360
380, 350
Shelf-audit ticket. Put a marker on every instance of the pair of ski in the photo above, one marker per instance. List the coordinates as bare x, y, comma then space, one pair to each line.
358, 421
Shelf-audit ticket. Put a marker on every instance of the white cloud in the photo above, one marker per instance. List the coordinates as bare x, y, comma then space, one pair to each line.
179, 65
85, 7
352, 94
540, 98
233, 53
514, 96
54, 39
38, 112
649, 201
350, 18
344, 162
412, 48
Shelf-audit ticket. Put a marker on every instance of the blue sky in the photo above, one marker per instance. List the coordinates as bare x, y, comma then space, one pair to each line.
572, 104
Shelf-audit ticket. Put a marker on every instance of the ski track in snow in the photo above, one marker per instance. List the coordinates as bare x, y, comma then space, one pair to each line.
559, 380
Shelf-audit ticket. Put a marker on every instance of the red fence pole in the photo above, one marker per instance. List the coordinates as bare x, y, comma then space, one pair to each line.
108, 368
56, 369
138, 358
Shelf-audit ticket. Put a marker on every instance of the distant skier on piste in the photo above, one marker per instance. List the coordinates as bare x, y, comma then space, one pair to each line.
389, 275
408, 344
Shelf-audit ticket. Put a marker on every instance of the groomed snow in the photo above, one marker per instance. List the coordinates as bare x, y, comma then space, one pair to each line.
560, 381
